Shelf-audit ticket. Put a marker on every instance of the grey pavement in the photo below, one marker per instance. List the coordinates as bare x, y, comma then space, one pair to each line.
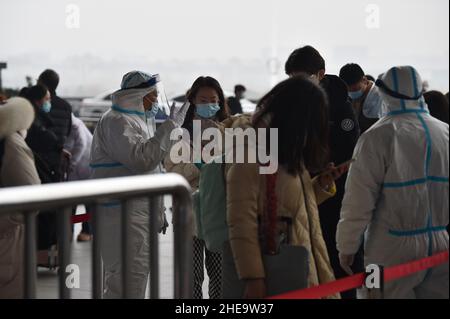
47, 283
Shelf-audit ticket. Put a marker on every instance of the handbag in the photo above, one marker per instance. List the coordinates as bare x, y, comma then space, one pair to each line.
286, 266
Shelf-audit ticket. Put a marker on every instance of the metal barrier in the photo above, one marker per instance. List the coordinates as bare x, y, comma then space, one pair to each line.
30, 199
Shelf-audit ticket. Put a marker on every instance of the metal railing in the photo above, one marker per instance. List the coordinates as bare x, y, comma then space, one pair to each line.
63, 196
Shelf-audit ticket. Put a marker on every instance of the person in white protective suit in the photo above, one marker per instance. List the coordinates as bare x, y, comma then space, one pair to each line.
126, 143
397, 190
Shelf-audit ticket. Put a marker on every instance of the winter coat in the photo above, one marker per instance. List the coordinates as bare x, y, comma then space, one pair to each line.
61, 115
46, 146
16, 169
246, 200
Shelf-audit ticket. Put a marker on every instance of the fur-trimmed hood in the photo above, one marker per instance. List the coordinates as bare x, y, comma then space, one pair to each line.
16, 115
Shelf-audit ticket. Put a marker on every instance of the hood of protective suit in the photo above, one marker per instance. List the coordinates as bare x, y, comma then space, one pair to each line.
373, 103
131, 99
404, 80
16, 115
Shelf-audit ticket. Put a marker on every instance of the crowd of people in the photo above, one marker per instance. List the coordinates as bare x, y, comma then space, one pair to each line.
362, 179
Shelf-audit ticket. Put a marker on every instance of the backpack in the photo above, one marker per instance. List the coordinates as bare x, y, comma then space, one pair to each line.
210, 205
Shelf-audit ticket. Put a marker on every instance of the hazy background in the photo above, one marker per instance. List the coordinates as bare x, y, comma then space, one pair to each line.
245, 41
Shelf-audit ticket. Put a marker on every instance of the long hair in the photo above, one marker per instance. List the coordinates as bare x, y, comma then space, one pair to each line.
209, 82
298, 108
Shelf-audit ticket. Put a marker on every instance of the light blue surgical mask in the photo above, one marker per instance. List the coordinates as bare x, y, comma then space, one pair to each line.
207, 110
153, 111
47, 106
356, 95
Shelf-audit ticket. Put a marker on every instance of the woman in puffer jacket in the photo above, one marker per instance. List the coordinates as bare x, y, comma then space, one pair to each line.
298, 109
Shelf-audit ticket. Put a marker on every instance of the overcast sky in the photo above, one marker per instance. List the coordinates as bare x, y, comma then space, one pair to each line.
233, 40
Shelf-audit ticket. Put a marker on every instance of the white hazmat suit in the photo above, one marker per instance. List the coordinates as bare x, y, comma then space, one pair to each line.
126, 143
396, 195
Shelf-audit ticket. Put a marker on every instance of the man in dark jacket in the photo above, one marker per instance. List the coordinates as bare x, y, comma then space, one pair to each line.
344, 133
61, 112
47, 149
364, 95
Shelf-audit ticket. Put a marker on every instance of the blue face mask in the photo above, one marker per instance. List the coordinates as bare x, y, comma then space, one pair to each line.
153, 111
47, 106
355, 95
207, 110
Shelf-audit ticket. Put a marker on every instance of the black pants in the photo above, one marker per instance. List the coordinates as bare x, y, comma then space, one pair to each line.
329, 212
46, 230
213, 263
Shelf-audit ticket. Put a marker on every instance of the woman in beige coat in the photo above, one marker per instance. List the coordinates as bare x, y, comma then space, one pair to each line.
17, 168
297, 108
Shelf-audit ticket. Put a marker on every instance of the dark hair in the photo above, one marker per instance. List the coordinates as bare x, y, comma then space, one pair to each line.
298, 108
34, 93
305, 59
438, 105
50, 79
201, 82
370, 78
351, 73
239, 88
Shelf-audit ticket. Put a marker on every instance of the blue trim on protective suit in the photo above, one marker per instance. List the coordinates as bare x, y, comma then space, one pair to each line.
408, 233
428, 138
415, 111
438, 179
396, 86
122, 110
416, 91
419, 181
405, 184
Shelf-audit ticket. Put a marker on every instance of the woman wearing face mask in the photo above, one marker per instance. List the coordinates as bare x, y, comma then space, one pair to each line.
208, 106
48, 151
41, 138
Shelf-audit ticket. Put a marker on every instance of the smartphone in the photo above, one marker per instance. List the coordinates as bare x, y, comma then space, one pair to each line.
347, 163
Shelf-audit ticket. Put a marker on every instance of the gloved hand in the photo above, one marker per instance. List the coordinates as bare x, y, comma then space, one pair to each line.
177, 116
346, 261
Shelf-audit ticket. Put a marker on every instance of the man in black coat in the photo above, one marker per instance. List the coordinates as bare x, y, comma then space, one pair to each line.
61, 111
344, 133
60, 123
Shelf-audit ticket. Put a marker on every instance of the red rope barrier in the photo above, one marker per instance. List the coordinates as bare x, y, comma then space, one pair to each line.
81, 218
356, 281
